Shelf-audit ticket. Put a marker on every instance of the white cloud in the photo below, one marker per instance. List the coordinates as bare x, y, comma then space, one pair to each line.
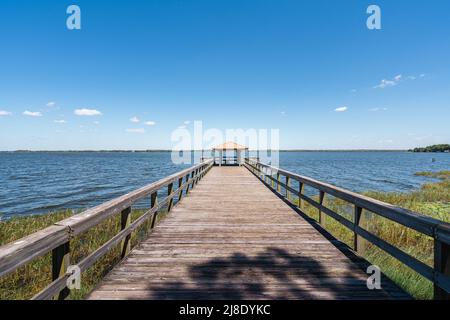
182, 127
87, 112
378, 109
385, 83
32, 113
150, 123
4, 113
341, 109
353, 91
96, 122
51, 104
397, 79
283, 113
138, 130
60, 121
135, 119
186, 122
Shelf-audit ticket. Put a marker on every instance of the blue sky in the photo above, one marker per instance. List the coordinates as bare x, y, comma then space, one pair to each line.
231, 64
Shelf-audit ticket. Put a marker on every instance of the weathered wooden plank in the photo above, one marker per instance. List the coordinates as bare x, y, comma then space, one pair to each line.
22, 251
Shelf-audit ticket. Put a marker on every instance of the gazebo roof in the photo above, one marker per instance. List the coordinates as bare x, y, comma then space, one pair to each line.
229, 145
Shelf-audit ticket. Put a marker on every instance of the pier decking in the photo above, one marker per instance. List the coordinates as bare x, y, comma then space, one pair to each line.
233, 238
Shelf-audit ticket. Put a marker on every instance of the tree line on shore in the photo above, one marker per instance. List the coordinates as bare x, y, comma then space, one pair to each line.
433, 148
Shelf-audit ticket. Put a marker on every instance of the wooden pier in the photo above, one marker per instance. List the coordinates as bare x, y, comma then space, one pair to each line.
233, 238
233, 233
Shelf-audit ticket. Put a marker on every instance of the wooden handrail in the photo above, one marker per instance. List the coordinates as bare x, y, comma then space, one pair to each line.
56, 238
439, 274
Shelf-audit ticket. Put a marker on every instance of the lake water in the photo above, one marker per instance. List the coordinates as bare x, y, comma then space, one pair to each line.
32, 183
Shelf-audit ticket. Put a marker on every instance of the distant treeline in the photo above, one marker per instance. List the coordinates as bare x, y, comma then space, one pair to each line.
433, 148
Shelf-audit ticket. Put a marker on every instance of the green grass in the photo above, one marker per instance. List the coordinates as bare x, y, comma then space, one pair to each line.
28, 280
432, 199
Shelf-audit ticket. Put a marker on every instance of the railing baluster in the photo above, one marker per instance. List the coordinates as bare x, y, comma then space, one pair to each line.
441, 265
288, 184
60, 263
196, 175
271, 179
180, 192
169, 193
321, 198
153, 204
125, 220
357, 219
187, 183
301, 187
264, 170
278, 182
193, 180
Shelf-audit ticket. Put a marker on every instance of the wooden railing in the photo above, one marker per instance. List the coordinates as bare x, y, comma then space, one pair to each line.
225, 160
56, 238
439, 274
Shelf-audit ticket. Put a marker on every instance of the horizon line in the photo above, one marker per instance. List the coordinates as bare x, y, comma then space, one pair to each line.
198, 150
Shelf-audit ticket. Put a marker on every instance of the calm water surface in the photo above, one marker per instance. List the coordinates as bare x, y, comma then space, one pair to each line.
32, 183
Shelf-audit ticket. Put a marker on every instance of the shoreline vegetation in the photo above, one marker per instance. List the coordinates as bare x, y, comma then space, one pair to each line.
432, 199
434, 148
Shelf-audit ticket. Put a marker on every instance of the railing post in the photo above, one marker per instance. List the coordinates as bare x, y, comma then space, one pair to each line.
288, 184
441, 265
153, 204
60, 263
197, 175
187, 183
125, 220
169, 193
357, 219
301, 187
271, 179
278, 182
321, 197
192, 178
180, 192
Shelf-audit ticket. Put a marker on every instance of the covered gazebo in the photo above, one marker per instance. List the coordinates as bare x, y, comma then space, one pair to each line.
229, 154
